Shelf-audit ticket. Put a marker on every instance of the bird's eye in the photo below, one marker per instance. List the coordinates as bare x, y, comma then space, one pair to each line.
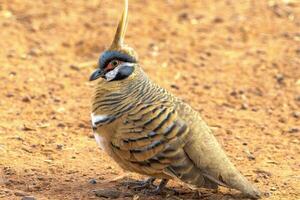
114, 63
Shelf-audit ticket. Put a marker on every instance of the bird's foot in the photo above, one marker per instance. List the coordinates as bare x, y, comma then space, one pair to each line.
140, 185
158, 189
147, 184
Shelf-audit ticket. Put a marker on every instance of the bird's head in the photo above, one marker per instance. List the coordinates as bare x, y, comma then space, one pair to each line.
118, 61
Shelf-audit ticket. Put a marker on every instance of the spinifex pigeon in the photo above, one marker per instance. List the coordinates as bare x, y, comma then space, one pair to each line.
147, 130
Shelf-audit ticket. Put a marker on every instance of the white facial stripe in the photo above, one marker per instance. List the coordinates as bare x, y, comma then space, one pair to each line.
96, 119
112, 74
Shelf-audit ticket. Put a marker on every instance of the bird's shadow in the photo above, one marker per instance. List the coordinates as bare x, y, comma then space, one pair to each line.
175, 193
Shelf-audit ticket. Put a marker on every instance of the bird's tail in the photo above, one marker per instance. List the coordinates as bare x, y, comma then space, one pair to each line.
206, 153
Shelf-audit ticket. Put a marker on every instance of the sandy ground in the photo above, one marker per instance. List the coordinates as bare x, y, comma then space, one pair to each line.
236, 62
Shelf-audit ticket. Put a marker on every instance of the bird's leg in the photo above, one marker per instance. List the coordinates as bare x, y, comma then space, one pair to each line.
159, 188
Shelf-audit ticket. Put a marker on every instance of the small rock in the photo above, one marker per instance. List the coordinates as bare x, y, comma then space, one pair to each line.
233, 93
9, 95
250, 156
273, 188
218, 20
59, 146
244, 106
136, 197
56, 99
82, 125
282, 120
20, 194
61, 125
26, 99
175, 86
108, 193
294, 130
263, 174
13, 73
74, 67
40, 178
91, 136
279, 78
207, 87
26, 128
183, 16
296, 114
267, 194
93, 181
48, 161
34, 52
28, 198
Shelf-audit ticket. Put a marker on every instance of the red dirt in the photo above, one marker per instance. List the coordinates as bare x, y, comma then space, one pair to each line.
236, 62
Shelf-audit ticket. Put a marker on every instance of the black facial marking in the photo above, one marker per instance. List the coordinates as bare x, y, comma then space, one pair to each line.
124, 72
108, 56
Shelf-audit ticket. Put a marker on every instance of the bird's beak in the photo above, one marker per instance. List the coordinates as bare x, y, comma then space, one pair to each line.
121, 30
96, 74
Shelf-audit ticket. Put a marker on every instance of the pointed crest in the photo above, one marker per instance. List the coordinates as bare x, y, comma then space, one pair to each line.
121, 30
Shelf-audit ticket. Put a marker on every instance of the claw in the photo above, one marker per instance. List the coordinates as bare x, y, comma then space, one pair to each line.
139, 185
159, 189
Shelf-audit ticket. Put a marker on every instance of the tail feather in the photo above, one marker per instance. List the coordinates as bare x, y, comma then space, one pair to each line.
206, 153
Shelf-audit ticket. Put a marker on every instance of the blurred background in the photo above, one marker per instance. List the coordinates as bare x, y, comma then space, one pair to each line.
236, 62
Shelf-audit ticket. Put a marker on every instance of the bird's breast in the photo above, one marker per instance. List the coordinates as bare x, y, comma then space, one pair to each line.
100, 123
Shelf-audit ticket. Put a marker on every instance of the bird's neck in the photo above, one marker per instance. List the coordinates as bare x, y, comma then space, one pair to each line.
114, 97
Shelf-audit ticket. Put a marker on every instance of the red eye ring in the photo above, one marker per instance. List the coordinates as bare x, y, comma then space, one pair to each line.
112, 64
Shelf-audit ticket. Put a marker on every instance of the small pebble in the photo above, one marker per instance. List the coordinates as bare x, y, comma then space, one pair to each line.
296, 114
244, 106
136, 197
233, 93
293, 130
28, 198
207, 87
74, 67
279, 78
61, 125
108, 193
93, 181
59, 146
26, 99
218, 20
183, 16
20, 194
174, 86
267, 194
273, 188
26, 128
34, 52
9, 95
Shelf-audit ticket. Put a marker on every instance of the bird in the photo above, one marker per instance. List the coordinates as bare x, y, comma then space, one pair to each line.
147, 130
